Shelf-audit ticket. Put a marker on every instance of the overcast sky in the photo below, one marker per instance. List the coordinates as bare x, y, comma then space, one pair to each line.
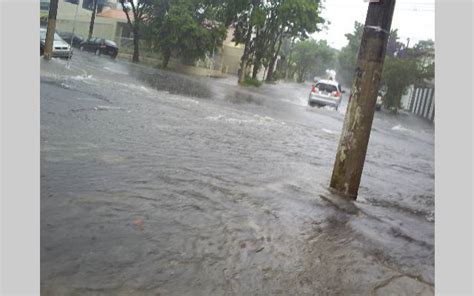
414, 19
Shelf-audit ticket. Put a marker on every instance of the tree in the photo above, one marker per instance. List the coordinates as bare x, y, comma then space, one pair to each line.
348, 55
411, 66
263, 25
295, 18
312, 57
248, 13
91, 24
186, 29
140, 9
48, 47
397, 75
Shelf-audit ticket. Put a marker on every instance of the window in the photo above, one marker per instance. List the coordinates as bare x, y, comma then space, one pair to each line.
326, 87
44, 5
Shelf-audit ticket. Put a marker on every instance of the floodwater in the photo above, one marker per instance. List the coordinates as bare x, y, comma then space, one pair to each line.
156, 183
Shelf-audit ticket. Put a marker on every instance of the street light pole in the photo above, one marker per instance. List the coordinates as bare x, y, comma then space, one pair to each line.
355, 134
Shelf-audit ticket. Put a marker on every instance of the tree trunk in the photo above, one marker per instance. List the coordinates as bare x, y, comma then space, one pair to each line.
288, 61
166, 59
48, 47
91, 24
245, 56
271, 66
136, 38
256, 68
134, 27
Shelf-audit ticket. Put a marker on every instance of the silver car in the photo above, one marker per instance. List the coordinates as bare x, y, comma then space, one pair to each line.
326, 93
61, 49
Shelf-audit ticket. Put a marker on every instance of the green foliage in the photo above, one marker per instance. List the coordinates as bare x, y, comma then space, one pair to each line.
402, 67
348, 54
397, 75
407, 67
252, 82
263, 25
313, 57
185, 29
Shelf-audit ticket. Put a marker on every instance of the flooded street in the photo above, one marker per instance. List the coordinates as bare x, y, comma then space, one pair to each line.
155, 183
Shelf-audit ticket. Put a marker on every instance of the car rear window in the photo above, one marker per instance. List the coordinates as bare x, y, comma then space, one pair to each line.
326, 87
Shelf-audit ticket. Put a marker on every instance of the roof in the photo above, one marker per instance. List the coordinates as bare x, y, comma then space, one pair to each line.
117, 14
332, 82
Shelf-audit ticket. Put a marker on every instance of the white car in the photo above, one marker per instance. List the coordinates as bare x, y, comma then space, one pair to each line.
61, 48
326, 93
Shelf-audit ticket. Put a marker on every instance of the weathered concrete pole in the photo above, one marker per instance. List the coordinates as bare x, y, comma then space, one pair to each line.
48, 43
355, 134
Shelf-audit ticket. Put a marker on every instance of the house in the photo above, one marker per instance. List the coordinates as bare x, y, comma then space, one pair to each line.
110, 21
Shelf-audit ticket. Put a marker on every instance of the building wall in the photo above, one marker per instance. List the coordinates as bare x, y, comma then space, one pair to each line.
231, 56
103, 27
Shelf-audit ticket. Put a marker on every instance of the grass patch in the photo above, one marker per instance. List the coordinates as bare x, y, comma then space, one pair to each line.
252, 82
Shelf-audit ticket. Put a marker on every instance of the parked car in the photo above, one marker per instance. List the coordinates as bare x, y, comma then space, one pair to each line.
60, 47
100, 46
326, 93
68, 36
378, 104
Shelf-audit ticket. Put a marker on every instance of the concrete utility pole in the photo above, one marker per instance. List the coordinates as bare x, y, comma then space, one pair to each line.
91, 25
355, 135
48, 46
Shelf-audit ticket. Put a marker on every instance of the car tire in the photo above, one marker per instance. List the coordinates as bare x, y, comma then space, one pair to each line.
97, 52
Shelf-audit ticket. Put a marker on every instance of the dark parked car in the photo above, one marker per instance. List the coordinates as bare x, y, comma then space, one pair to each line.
68, 36
100, 46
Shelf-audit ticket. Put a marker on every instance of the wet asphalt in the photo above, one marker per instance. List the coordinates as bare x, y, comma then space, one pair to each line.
158, 183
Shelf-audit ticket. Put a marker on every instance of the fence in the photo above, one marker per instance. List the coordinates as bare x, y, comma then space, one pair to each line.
422, 102
125, 45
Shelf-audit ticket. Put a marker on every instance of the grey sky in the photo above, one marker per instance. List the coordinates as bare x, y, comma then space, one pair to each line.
414, 19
